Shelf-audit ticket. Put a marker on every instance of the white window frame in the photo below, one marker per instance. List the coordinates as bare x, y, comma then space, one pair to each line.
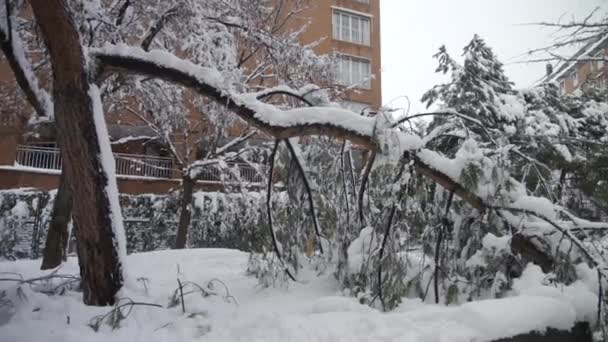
363, 78
352, 27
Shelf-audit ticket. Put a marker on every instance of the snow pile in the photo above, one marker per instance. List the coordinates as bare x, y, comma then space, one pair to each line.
314, 311
537, 205
492, 245
579, 297
360, 249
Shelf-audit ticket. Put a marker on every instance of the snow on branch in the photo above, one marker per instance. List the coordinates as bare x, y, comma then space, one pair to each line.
371, 133
14, 51
282, 124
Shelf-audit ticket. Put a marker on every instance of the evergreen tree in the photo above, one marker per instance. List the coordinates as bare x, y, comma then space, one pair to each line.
474, 87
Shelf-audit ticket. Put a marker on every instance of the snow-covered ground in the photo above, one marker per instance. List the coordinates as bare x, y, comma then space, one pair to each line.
312, 311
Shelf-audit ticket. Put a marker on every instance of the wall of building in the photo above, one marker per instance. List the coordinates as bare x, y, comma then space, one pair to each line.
318, 20
584, 71
11, 178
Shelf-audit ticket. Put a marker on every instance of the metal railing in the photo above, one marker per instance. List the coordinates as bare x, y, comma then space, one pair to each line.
138, 165
126, 164
39, 157
238, 172
143, 166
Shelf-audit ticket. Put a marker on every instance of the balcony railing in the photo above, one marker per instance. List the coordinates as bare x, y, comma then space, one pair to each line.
136, 165
143, 166
39, 157
238, 172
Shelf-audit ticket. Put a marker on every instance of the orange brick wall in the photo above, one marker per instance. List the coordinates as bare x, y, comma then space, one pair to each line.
11, 179
319, 20
584, 71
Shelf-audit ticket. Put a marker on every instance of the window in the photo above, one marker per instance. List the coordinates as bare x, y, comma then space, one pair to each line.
354, 71
363, 1
572, 77
599, 64
351, 27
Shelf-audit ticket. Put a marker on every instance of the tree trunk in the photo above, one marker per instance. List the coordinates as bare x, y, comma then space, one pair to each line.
186, 212
57, 237
99, 261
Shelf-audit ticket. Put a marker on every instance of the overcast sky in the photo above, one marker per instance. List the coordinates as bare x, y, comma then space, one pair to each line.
413, 30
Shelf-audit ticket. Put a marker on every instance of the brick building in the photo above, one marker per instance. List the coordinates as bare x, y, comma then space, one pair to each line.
585, 68
348, 29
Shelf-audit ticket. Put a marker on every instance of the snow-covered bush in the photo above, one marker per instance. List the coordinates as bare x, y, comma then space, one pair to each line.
226, 220
22, 213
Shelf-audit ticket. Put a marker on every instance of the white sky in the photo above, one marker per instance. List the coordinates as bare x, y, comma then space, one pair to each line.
413, 30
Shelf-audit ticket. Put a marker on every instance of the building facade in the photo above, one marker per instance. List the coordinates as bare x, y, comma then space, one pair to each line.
349, 30
584, 69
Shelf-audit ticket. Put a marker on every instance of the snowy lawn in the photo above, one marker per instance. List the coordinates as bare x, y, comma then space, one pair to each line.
312, 311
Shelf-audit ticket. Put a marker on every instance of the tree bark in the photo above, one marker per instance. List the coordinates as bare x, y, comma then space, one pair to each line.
100, 267
185, 212
57, 237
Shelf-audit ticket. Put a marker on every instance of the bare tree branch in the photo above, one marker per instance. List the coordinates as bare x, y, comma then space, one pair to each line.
275, 243
311, 202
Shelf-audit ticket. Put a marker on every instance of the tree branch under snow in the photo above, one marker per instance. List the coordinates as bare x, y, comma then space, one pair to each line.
330, 121
281, 124
284, 124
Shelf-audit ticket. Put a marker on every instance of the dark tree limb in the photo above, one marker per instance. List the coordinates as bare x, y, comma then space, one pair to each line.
556, 226
122, 11
364, 180
159, 24
138, 63
57, 236
311, 202
99, 261
110, 61
387, 232
132, 64
351, 171
440, 237
273, 236
343, 172
185, 211
523, 246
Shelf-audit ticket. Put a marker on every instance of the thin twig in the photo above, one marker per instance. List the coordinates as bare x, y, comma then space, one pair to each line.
364, 180
269, 209
181, 293
306, 183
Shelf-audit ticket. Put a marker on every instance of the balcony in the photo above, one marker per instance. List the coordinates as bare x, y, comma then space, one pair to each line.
136, 166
